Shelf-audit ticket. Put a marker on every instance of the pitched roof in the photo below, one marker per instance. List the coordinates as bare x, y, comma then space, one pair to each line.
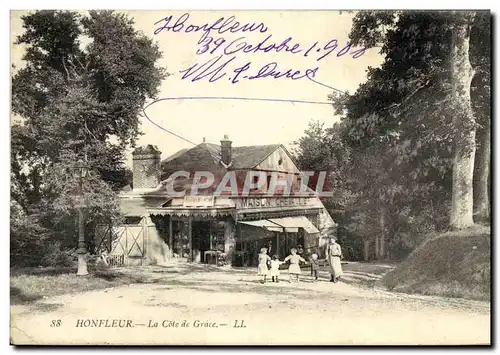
175, 155
199, 158
250, 156
206, 156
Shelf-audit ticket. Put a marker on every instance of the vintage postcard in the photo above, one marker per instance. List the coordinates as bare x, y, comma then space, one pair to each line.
250, 177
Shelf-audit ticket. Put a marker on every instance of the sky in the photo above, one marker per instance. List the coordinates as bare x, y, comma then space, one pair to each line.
246, 122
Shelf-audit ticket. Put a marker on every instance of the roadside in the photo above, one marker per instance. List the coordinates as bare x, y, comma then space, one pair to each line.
285, 314
31, 284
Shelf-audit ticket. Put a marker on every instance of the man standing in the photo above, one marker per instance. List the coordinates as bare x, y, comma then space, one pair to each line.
334, 254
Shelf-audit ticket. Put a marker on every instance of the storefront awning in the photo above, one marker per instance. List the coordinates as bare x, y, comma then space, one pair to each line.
292, 224
285, 224
263, 223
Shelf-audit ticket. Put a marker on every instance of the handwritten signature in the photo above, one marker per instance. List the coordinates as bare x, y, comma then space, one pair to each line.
215, 69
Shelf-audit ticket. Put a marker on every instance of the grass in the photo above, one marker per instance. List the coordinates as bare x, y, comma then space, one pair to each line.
29, 285
452, 264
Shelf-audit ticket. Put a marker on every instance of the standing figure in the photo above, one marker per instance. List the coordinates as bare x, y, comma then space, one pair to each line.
334, 254
294, 268
262, 267
314, 266
300, 250
275, 268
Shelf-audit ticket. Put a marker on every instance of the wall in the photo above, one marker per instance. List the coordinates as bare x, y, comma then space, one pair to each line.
146, 171
327, 227
271, 162
140, 243
312, 242
229, 241
158, 251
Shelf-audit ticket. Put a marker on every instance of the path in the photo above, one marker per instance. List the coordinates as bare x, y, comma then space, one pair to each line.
308, 313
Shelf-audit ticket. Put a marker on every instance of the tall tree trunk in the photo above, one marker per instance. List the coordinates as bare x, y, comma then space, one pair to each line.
366, 250
382, 234
377, 247
464, 126
482, 186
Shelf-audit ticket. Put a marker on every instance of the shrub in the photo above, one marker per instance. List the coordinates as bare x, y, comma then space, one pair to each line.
55, 256
452, 264
27, 238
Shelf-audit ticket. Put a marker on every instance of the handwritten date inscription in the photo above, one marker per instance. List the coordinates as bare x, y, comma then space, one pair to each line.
224, 52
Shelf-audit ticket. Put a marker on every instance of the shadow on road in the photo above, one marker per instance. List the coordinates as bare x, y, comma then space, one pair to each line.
19, 297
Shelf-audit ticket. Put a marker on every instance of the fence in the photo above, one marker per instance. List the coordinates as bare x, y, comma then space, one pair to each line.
124, 245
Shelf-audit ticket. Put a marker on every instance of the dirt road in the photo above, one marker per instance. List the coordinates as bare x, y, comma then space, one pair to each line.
203, 305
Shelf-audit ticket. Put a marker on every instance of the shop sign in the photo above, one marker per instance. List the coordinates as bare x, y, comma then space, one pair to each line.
198, 201
271, 202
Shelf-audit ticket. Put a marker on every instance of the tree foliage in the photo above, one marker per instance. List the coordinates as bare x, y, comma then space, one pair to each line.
85, 80
403, 127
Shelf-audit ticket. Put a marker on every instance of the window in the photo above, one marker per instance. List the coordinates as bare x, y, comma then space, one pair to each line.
255, 181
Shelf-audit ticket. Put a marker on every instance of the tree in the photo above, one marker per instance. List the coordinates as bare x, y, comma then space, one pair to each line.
80, 95
323, 149
463, 122
481, 99
419, 100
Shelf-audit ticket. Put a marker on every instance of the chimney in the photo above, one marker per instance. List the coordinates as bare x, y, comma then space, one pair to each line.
225, 150
204, 141
146, 167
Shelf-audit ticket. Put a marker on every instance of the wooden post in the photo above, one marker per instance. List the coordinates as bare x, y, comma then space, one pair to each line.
110, 233
190, 237
145, 249
125, 252
170, 237
210, 235
243, 245
277, 244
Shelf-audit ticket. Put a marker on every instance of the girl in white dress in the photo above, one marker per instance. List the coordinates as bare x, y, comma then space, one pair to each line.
262, 267
294, 268
275, 268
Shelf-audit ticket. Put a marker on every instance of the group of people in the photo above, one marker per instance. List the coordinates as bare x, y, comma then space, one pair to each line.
268, 266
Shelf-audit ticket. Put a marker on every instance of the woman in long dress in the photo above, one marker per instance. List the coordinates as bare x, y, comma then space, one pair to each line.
334, 254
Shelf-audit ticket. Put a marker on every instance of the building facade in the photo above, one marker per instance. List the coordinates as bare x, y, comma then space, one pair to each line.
215, 224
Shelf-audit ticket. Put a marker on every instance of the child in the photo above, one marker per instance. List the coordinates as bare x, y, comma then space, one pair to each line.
275, 268
294, 268
314, 266
262, 268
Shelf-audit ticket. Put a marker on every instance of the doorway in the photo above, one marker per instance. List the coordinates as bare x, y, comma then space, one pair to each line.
201, 239
287, 241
